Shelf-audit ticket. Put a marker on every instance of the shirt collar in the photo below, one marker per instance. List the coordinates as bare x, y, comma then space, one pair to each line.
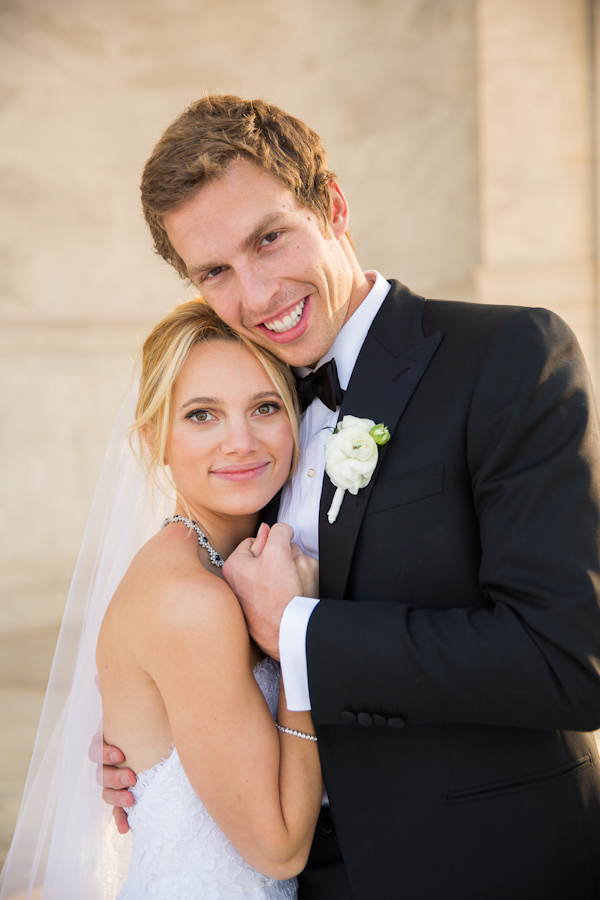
353, 332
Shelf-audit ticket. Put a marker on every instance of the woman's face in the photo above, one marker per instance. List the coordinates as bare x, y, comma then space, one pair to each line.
230, 441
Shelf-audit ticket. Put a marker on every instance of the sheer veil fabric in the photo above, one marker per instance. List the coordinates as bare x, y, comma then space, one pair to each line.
65, 845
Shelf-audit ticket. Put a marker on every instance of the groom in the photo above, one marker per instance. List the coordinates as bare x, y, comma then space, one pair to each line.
452, 663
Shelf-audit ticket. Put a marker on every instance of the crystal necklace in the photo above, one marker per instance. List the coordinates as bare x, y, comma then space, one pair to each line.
215, 559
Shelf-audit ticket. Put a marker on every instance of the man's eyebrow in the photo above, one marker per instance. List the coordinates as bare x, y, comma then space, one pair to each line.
263, 227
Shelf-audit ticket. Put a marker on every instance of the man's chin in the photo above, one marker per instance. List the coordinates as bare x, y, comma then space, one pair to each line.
292, 350
289, 336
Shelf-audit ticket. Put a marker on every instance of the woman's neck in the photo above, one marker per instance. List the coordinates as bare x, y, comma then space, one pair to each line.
224, 533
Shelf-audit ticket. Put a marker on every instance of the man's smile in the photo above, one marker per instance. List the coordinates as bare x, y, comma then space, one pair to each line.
289, 325
288, 321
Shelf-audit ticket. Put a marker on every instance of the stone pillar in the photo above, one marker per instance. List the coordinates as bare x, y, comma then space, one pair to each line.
536, 159
594, 24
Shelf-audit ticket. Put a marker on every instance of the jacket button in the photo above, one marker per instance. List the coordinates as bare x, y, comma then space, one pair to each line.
379, 720
396, 722
348, 718
365, 718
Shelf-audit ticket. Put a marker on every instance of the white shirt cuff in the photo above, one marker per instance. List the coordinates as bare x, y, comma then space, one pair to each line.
292, 652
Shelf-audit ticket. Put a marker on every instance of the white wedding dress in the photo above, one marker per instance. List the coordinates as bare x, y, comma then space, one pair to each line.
178, 850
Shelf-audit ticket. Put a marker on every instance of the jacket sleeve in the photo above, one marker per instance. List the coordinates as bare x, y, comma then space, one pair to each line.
528, 653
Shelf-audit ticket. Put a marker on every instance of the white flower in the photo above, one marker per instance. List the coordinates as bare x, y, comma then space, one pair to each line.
350, 458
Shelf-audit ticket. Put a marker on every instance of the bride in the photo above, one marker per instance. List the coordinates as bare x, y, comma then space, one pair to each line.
228, 780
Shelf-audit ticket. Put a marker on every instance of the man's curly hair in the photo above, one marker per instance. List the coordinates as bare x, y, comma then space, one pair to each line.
214, 132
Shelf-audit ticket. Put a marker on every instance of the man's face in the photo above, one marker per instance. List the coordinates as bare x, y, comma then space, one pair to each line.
263, 263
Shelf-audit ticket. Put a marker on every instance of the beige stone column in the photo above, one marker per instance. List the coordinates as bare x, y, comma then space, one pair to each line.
536, 149
594, 16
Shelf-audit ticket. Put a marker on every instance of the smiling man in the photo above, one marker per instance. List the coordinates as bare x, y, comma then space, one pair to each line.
452, 660
267, 263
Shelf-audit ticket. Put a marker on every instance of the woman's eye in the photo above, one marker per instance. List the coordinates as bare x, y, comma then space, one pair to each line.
200, 415
266, 409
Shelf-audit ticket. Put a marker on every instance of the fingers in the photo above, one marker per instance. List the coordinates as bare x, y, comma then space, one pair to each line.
95, 748
278, 542
277, 537
296, 551
121, 820
122, 799
258, 544
117, 779
252, 547
308, 570
111, 756
280, 533
298, 554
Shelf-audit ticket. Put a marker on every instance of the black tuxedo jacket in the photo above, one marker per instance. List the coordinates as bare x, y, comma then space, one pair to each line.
454, 658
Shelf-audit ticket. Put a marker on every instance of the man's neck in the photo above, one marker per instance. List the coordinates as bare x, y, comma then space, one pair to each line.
363, 284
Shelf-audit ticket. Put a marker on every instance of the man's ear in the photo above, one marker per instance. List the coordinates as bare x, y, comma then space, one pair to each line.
339, 209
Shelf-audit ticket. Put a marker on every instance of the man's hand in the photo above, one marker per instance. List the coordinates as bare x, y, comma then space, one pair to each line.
265, 573
114, 780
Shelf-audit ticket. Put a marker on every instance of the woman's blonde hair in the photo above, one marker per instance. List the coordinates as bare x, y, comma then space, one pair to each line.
164, 354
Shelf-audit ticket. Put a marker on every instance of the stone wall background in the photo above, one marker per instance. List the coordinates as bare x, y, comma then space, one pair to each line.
465, 136
463, 132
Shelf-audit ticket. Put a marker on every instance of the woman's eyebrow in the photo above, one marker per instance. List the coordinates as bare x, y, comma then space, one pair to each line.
215, 401
200, 401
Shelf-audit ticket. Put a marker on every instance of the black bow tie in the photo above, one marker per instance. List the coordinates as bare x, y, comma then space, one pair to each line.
322, 383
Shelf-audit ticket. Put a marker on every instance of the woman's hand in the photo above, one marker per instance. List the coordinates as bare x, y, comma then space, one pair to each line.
308, 570
264, 573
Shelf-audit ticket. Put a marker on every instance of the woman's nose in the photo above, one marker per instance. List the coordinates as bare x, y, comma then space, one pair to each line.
239, 438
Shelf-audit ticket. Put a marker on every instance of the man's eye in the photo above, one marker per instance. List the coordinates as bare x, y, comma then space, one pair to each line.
200, 415
213, 273
270, 237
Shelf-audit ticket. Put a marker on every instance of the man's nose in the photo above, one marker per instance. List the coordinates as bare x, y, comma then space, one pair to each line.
257, 290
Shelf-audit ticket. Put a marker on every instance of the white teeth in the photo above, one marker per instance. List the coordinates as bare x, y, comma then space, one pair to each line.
289, 321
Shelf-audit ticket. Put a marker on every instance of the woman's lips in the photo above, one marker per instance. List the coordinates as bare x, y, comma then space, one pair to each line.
242, 472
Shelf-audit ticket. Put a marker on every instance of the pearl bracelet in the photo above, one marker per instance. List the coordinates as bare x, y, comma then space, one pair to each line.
300, 734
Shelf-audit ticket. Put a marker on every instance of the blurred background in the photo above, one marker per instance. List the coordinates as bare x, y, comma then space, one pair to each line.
463, 132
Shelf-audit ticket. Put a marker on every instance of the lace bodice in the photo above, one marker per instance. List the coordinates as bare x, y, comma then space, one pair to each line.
178, 851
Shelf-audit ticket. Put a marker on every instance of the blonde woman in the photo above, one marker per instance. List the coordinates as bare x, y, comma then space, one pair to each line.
226, 797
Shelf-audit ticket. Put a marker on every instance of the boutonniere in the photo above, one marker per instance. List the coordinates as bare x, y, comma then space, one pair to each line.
351, 452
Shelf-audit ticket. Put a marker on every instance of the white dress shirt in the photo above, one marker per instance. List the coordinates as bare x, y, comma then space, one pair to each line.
301, 497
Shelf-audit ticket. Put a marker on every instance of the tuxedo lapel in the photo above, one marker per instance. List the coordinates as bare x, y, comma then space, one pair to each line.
269, 513
389, 367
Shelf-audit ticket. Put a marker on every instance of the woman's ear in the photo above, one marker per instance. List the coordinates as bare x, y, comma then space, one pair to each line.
148, 434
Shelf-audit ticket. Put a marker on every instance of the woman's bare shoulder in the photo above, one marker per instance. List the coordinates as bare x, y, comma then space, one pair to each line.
167, 589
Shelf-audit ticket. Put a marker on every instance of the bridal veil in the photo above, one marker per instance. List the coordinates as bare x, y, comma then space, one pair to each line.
65, 845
